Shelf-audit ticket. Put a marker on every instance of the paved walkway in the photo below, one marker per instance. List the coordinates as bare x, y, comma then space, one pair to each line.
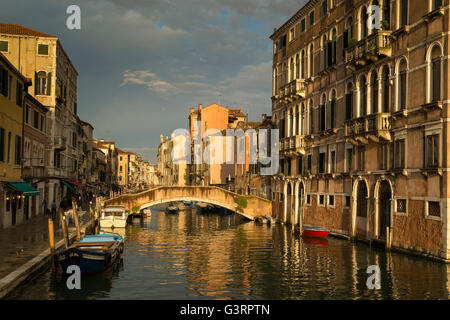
21, 243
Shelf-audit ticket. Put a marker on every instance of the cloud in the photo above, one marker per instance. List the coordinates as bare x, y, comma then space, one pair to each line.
145, 77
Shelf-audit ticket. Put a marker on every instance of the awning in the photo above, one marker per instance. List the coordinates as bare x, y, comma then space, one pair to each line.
76, 184
24, 188
68, 185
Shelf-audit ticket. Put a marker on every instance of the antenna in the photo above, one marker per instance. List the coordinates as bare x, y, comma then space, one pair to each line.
218, 98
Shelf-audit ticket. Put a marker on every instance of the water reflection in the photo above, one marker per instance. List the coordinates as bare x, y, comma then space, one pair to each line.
193, 256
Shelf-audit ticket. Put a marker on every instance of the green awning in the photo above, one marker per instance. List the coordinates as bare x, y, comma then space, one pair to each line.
68, 185
26, 189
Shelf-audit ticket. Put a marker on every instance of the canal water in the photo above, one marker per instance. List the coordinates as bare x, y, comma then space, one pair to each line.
216, 256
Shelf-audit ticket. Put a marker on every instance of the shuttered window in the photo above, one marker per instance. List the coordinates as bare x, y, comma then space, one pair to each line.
436, 79
2, 144
432, 151
18, 150
43, 49
19, 94
403, 13
4, 46
4, 81
348, 106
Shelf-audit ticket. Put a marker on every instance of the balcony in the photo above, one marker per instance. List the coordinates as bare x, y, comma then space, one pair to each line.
371, 128
59, 143
292, 91
369, 50
293, 146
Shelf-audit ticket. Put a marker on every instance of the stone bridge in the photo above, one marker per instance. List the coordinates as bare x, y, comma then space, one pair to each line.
246, 205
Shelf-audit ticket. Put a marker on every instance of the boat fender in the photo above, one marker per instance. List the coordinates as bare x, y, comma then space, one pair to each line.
107, 259
74, 256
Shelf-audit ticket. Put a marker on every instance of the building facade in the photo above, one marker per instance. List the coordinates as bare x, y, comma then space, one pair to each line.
362, 112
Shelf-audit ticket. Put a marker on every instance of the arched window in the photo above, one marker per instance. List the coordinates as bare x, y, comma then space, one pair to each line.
363, 23
302, 119
298, 120
303, 65
387, 13
386, 90
297, 67
276, 81
291, 73
332, 111
311, 117
332, 47
403, 18
311, 61
42, 83
402, 82
322, 113
323, 54
284, 74
349, 102
436, 80
374, 92
363, 96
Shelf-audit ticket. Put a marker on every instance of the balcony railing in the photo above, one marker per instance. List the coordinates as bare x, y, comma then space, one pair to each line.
59, 142
369, 49
293, 146
369, 128
293, 90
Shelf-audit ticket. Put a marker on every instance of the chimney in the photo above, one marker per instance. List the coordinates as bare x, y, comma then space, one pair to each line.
161, 138
264, 117
200, 107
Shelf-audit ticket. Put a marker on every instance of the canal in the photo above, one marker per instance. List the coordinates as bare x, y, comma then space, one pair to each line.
193, 256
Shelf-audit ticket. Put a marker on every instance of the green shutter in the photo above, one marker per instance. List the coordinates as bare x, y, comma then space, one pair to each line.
49, 83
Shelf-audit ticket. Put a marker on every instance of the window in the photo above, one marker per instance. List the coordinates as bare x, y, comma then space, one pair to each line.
363, 23
75, 164
349, 159
322, 117
18, 150
74, 139
402, 84
292, 34
19, 94
311, 61
42, 83
403, 13
399, 154
333, 161
401, 206
36, 119
10, 91
308, 199
331, 112
4, 46
27, 114
322, 200
43, 49
300, 166
331, 201
311, 18
324, 8
2, 144
374, 86
432, 151
383, 156
436, 74
42, 123
322, 162
361, 158
436, 5
347, 202
309, 162
303, 25
386, 90
9, 147
363, 96
297, 67
4, 81
311, 119
434, 209
349, 102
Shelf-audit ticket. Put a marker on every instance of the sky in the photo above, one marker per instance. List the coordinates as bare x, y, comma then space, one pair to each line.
143, 64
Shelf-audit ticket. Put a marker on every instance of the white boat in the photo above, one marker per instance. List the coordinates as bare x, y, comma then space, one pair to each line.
114, 217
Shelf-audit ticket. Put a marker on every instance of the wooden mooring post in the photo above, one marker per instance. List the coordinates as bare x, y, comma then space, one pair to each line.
388, 238
75, 218
92, 216
62, 218
51, 239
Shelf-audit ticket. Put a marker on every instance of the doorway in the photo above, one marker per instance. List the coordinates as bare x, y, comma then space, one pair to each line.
384, 209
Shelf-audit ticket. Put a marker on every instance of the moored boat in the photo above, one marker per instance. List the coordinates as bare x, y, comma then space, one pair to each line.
318, 232
93, 253
114, 217
172, 209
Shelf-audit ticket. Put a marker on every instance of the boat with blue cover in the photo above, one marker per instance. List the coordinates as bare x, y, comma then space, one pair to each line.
93, 253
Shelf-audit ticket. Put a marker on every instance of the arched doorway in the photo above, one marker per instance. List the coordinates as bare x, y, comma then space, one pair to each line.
301, 203
384, 208
361, 208
289, 203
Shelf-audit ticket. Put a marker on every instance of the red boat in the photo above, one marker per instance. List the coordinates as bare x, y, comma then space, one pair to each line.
317, 232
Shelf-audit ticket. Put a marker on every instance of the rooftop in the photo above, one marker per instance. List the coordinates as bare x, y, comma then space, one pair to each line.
17, 29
